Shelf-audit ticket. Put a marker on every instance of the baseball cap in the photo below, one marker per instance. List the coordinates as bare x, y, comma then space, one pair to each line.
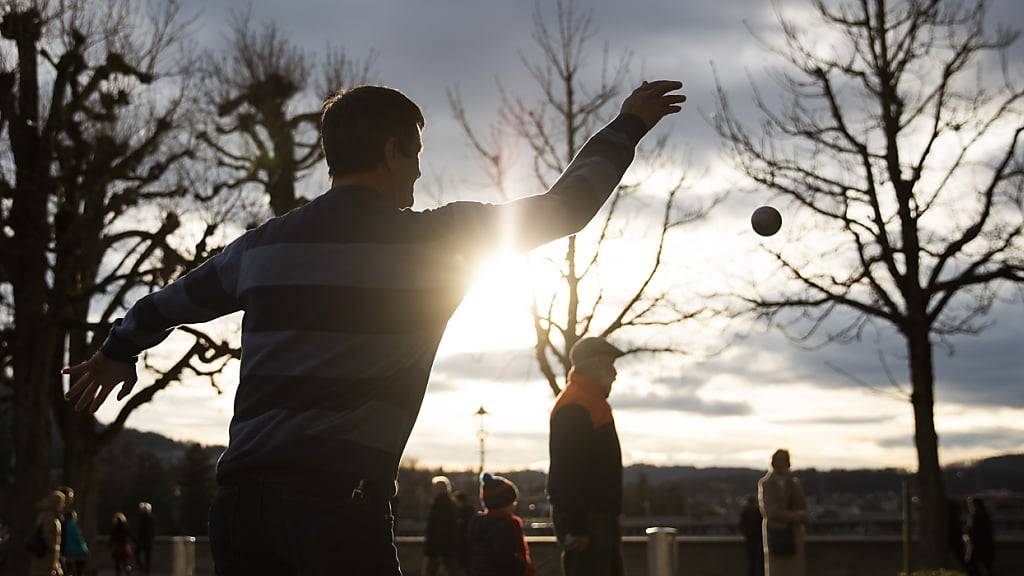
593, 347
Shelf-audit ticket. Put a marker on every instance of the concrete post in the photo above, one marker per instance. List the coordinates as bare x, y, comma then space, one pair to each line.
183, 556
661, 551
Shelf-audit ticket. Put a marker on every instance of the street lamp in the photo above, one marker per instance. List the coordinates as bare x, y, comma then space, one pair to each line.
481, 433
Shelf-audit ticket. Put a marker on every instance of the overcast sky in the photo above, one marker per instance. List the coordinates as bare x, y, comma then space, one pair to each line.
833, 407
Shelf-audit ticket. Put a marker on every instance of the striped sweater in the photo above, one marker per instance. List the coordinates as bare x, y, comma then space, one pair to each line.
345, 302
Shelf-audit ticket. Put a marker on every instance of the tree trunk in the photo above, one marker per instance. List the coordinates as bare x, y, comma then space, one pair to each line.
930, 485
33, 344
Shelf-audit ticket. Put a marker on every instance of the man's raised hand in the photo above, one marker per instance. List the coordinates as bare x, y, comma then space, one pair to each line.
651, 101
96, 379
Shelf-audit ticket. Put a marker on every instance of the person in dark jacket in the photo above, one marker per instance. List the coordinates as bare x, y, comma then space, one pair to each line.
981, 543
441, 545
585, 478
955, 535
144, 536
464, 513
750, 527
121, 539
497, 543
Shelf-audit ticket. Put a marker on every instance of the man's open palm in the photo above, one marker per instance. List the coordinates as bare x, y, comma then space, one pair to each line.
652, 101
96, 379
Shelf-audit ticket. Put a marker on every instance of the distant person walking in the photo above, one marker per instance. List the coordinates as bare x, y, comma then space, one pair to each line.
145, 533
956, 534
753, 539
346, 299
464, 513
497, 541
441, 545
47, 536
784, 508
73, 548
121, 538
585, 478
981, 541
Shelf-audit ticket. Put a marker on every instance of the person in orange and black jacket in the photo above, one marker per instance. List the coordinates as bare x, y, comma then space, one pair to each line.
585, 478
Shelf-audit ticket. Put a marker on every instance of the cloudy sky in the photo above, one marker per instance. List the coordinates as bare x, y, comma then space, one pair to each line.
834, 407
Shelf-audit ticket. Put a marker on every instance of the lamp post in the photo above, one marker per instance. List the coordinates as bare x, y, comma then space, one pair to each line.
481, 433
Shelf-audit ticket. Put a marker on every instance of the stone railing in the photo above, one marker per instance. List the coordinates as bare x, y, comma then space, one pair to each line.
695, 556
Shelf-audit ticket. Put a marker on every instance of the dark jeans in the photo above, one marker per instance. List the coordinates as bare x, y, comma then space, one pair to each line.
603, 554
144, 550
268, 528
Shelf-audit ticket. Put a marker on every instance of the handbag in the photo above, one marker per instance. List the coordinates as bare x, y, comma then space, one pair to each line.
35, 543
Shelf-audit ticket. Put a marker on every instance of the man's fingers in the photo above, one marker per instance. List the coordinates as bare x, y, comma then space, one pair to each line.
81, 384
86, 396
674, 98
662, 87
126, 388
101, 397
76, 369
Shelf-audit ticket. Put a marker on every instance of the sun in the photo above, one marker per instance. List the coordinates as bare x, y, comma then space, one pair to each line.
495, 314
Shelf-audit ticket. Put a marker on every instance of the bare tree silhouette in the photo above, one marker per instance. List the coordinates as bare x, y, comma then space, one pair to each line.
886, 139
93, 104
553, 128
265, 135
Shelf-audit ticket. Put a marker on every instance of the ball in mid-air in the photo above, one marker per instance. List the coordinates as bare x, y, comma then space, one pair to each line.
766, 220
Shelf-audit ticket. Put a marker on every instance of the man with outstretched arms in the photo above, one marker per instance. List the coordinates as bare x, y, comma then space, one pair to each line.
346, 299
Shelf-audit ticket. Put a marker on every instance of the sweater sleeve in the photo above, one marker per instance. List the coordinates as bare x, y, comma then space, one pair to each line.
206, 293
571, 202
571, 431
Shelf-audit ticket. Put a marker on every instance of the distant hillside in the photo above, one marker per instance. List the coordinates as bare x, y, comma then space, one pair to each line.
1004, 472
167, 450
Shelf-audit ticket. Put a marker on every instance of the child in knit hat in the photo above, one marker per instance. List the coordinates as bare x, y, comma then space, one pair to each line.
497, 544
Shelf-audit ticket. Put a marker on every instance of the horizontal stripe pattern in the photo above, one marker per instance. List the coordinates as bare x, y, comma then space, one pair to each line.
347, 309
346, 300
398, 266
333, 355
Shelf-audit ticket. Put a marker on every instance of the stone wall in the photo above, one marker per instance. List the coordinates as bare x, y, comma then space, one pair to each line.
698, 556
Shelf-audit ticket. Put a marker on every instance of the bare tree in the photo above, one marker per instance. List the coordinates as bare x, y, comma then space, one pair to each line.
92, 186
553, 128
266, 136
886, 139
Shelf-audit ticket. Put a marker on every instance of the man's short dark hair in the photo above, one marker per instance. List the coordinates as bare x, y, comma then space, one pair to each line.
355, 125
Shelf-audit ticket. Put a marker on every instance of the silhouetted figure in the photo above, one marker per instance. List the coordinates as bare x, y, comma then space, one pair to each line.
497, 541
981, 542
750, 527
346, 299
955, 531
784, 509
47, 535
464, 513
441, 544
121, 538
145, 532
73, 549
585, 478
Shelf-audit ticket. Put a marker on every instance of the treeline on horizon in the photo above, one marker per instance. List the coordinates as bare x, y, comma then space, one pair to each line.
178, 479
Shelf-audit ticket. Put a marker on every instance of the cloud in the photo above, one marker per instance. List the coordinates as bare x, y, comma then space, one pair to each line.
837, 420
682, 401
997, 438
